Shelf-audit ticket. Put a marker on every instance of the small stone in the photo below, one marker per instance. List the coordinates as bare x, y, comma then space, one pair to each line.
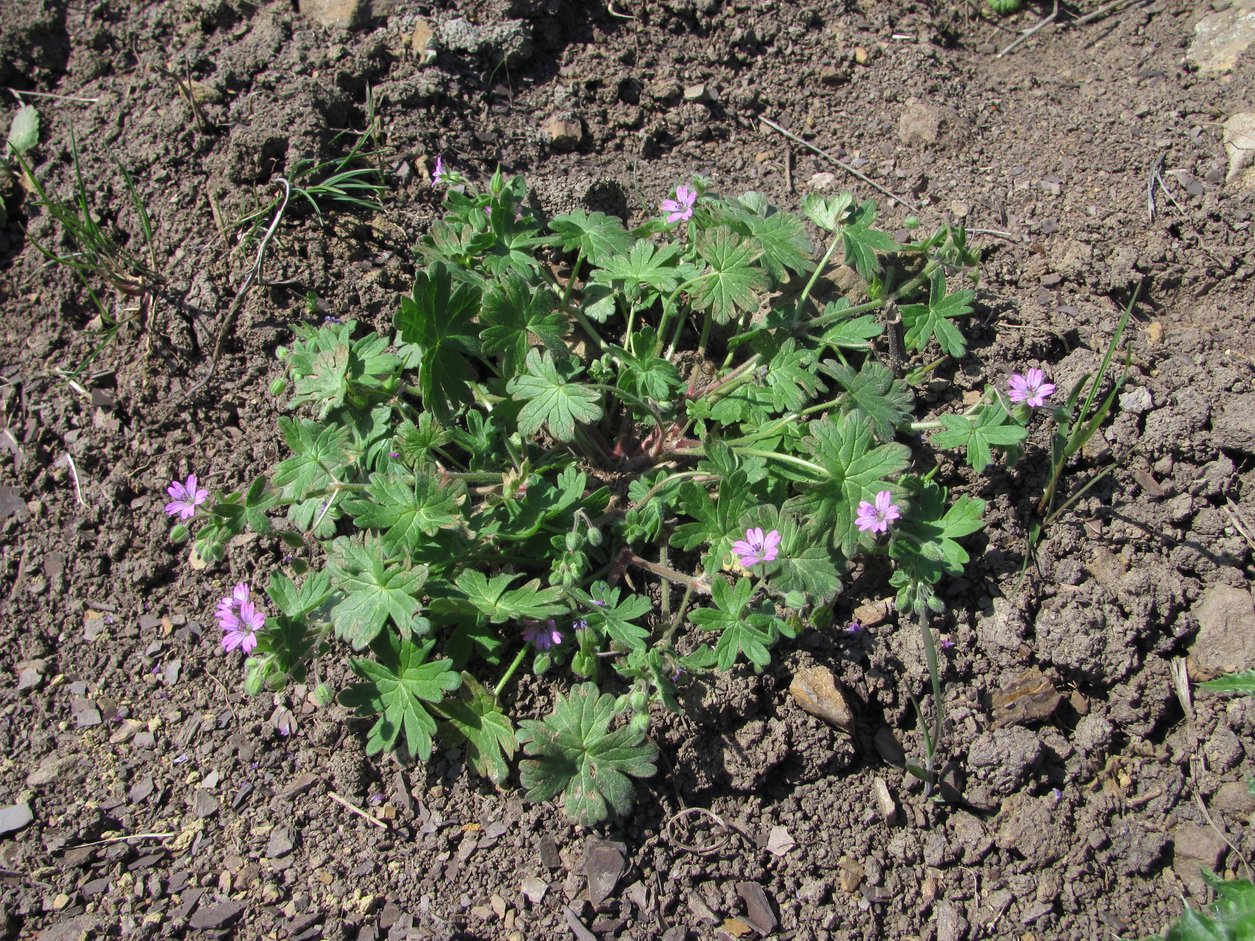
336, 14
141, 789
695, 92
862, 55
1239, 144
822, 182
280, 843
1221, 37
1225, 642
219, 915
204, 804
564, 132
1136, 400
126, 731
1235, 799
15, 817
604, 862
298, 785
886, 806
815, 690
874, 613
951, 925
421, 39
29, 677
1030, 697
1199, 843
534, 889
549, 857
922, 124
758, 910
888, 746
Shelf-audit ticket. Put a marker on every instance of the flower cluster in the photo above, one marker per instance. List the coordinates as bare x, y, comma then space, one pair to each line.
239, 619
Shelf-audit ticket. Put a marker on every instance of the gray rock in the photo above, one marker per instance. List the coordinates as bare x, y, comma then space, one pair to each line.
204, 804
218, 915
1221, 37
14, 817
280, 843
1137, 400
1225, 642
337, 14
951, 925
1196, 848
604, 862
563, 131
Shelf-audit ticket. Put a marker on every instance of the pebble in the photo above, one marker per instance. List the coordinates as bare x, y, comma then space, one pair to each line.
280, 843
534, 889
1030, 697
1221, 37
15, 817
336, 14
758, 910
204, 804
218, 915
298, 785
815, 690
604, 862
563, 132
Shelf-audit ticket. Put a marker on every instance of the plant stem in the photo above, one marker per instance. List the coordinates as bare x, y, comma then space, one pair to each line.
665, 571
518, 659
786, 458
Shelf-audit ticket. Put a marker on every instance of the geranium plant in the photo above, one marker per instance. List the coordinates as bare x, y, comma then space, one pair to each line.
613, 456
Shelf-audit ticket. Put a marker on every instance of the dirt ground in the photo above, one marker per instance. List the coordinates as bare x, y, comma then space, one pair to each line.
1083, 793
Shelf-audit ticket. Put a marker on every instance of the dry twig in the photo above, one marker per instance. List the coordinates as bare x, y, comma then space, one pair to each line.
357, 810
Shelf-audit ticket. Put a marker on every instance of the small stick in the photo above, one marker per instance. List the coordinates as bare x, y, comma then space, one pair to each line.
1045, 20
78, 491
47, 94
700, 811
1103, 11
788, 169
357, 810
1150, 184
844, 166
233, 311
125, 839
1239, 523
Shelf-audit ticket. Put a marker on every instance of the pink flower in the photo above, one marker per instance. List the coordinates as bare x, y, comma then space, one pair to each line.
542, 635
757, 547
1031, 388
239, 619
681, 207
185, 497
437, 176
877, 518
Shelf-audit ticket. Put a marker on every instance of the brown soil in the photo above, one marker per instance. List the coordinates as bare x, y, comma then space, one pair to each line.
125, 719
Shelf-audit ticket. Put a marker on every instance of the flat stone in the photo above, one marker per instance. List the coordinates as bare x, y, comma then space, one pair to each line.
421, 38
218, 915
298, 785
1233, 426
758, 910
280, 843
14, 817
1221, 37
204, 804
534, 889
604, 862
815, 690
1225, 642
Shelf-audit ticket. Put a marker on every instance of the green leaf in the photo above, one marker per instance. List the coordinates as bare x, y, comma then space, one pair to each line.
854, 470
608, 615
1232, 916
925, 541
299, 602
24, 131
407, 510
827, 212
596, 234
791, 377
738, 633
517, 316
731, 284
438, 319
875, 392
476, 720
1234, 683
496, 601
715, 520
979, 434
646, 375
575, 753
784, 242
862, 242
805, 570
370, 590
924, 321
846, 332
644, 273
553, 401
318, 454
396, 685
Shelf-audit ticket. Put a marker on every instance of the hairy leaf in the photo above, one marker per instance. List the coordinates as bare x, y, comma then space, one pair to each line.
596, 234
396, 686
370, 590
875, 392
574, 752
732, 282
553, 400
517, 316
988, 428
438, 318
408, 510
476, 721
924, 321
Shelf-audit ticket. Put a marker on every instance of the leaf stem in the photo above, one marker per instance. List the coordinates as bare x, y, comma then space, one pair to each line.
518, 660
